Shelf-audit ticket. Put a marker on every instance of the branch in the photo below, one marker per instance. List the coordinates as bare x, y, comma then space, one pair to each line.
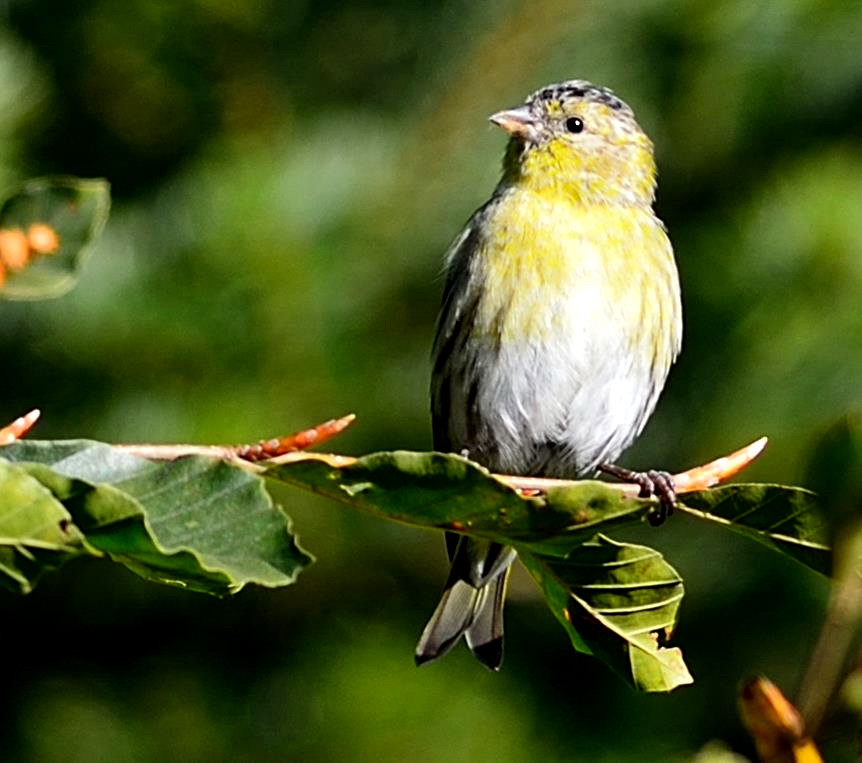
289, 448
259, 451
692, 480
696, 478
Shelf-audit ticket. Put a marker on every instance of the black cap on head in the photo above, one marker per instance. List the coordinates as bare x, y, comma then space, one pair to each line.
578, 88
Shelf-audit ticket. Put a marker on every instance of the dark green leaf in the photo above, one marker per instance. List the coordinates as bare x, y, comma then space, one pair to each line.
617, 601
76, 211
449, 492
787, 519
194, 522
452, 493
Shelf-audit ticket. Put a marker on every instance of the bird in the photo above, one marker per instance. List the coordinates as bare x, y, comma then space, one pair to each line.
561, 317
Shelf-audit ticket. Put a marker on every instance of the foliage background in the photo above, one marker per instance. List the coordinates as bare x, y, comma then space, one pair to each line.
286, 178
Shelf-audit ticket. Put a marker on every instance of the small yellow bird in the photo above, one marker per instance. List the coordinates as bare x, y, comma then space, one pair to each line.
561, 318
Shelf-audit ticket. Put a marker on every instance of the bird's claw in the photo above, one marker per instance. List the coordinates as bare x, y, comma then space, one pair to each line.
658, 484
652, 483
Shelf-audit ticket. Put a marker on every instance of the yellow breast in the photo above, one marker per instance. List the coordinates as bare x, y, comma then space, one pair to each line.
552, 267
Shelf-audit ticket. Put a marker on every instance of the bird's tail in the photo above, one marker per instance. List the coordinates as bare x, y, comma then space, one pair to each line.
472, 603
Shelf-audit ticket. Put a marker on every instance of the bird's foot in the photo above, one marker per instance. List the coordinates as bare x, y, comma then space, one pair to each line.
651, 483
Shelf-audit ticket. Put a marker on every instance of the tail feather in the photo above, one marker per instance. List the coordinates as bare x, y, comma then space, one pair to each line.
485, 634
453, 616
471, 605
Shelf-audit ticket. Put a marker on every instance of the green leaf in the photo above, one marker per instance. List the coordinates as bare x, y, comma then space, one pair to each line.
786, 519
36, 531
449, 492
75, 210
194, 522
208, 525
617, 601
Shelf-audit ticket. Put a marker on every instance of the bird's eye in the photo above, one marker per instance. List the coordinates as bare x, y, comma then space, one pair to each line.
574, 124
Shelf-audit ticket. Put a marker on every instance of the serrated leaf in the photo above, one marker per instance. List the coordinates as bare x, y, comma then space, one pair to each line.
74, 210
617, 601
36, 531
194, 522
787, 519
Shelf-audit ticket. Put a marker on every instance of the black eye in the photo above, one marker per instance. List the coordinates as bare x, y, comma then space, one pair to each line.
574, 124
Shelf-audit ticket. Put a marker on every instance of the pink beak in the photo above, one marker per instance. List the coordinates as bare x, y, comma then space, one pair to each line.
518, 122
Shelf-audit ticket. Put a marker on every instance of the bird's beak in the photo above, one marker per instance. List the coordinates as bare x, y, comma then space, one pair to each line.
518, 122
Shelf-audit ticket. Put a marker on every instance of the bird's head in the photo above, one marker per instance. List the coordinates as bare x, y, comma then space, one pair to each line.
581, 140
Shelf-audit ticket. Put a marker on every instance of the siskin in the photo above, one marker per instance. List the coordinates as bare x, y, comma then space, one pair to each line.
561, 318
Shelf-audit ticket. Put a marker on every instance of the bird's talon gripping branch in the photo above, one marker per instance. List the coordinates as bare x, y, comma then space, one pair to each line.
652, 484
662, 488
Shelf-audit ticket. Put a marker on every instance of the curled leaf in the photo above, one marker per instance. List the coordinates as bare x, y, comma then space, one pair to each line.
619, 602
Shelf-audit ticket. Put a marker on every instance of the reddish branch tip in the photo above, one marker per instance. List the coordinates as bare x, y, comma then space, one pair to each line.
18, 428
294, 442
702, 477
697, 478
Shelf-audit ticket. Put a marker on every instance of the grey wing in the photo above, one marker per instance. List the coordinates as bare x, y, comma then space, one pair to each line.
449, 383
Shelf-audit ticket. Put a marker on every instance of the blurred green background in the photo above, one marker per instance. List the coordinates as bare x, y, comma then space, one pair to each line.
286, 179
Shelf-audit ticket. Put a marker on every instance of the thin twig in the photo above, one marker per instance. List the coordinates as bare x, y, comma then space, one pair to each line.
281, 450
696, 478
298, 441
265, 450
